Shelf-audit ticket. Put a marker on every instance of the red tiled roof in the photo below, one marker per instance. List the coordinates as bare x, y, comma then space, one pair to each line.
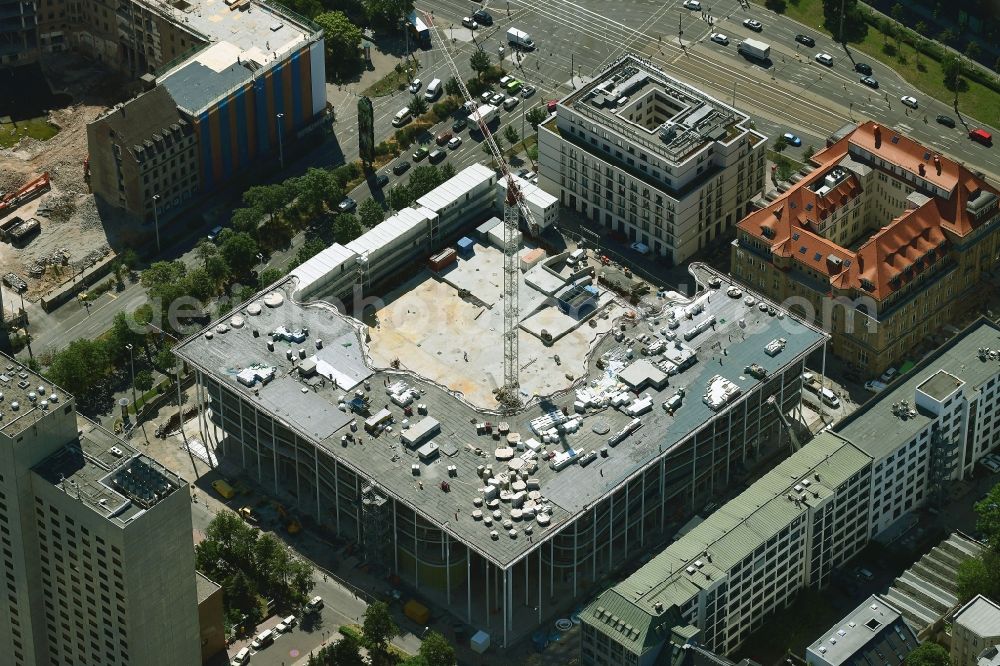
901, 249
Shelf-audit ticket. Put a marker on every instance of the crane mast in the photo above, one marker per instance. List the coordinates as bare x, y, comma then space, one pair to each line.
508, 395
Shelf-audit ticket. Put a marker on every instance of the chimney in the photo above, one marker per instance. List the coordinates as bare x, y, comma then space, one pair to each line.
922, 169
878, 137
937, 164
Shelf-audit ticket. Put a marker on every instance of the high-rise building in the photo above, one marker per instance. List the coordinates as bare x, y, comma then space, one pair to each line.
96, 540
641, 154
880, 244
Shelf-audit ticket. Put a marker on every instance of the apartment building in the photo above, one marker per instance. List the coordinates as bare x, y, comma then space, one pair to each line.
873, 633
932, 426
639, 153
974, 628
18, 32
785, 532
880, 244
97, 549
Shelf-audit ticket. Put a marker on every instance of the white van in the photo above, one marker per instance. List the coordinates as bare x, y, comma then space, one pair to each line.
829, 398
262, 640
575, 257
402, 117
241, 658
433, 90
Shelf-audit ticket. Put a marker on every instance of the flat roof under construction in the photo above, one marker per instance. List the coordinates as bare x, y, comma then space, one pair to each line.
737, 339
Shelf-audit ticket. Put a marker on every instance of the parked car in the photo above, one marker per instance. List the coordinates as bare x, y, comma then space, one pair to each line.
415, 86
513, 86
824, 59
692, 4
470, 23
947, 121
436, 156
888, 375
262, 640
805, 40
241, 658
483, 16
455, 142
551, 105
863, 68
420, 153
864, 574
400, 167
792, 139
753, 24
527, 91
442, 138
511, 102
485, 96
909, 101
382, 180
347, 205
314, 604
504, 80
869, 81
874, 386
497, 99
719, 38
285, 625
991, 464
459, 124
641, 248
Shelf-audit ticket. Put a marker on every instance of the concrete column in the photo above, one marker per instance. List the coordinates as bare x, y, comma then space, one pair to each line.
274, 454
336, 494
416, 556
395, 536
447, 566
628, 509
298, 489
486, 567
552, 568
319, 509
508, 599
256, 439
642, 513
243, 438
611, 533
694, 465
822, 385
729, 445
593, 545
576, 529
468, 585
663, 493
539, 585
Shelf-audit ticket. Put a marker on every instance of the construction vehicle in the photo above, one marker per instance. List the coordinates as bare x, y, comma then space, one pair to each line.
292, 525
247, 514
793, 438
23, 232
32, 190
223, 488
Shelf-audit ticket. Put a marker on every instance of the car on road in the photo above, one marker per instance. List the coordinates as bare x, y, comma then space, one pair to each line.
470, 23
347, 205
719, 38
455, 142
869, 81
382, 180
241, 658
459, 124
527, 91
863, 68
400, 167
285, 625
420, 153
483, 16
692, 4
415, 86
982, 136
792, 139
497, 99
824, 59
753, 24
551, 105
909, 101
511, 102
315, 604
442, 138
436, 156
805, 40
641, 248
947, 121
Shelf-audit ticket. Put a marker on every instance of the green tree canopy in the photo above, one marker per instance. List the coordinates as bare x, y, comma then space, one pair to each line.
510, 133
436, 650
317, 188
268, 198
535, 116
854, 24
928, 654
951, 70
345, 652
81, 366
446, 171
988, 518
423, 179
342, 38
143, 381
480, 62
378, 630
239, 250
980, 575
346, 228
389, 12
399, 197
452, 87
417, 105
370, 213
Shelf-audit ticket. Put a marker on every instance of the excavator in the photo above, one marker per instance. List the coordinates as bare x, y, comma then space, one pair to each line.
292, 525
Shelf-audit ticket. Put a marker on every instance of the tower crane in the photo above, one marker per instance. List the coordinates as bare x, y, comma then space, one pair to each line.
508, 395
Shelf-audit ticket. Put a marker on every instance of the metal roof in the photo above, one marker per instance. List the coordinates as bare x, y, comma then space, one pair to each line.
981, 616
874, 633
386, 233
455, 188
728, 535
318, 267
878, 432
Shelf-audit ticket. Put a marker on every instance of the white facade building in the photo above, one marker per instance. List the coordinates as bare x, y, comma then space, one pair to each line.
643, 154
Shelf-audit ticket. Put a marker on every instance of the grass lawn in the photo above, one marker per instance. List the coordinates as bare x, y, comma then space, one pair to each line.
917, 68
388, 84
36, 128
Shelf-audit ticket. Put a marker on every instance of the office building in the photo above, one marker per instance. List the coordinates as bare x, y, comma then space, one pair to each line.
875, 633
229, 84
881, 244
504, 518
785, 532
639, 153
18, 32
974, 627
97, 548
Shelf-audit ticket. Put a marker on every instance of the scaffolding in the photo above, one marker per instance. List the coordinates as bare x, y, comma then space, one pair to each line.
376, 524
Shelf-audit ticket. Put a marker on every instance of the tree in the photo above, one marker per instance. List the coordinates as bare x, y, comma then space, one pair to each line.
979, 575
452, 87
309, 249
269, 276
399, 197
535, 117
423, 179
951, 69
124, 331
988, 518
480, 62
370, 213
780, 144
436, 650
315, 189
143, 381
972, 50
345, 652
928, 654
897, 15
269, 199
81, 367
447, 171
510, 133
240, 252
342, 38
417, 106
246, 219
388, 11
809, 152
346, 228
165, 361
854, 26
378, 630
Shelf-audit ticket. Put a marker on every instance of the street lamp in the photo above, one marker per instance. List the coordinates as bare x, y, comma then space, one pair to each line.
131, 364
156, 222
281, 149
